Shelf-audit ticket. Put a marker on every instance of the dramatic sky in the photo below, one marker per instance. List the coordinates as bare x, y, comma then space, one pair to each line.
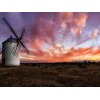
55, 37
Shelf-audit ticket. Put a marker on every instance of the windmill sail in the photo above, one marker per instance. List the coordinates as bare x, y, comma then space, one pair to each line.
18, 39
16, 49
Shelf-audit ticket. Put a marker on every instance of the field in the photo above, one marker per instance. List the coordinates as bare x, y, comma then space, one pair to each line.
51, 75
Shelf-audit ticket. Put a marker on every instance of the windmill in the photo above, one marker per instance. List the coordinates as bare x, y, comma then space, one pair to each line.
10, 47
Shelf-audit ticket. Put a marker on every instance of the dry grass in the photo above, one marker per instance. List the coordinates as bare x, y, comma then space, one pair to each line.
44, 75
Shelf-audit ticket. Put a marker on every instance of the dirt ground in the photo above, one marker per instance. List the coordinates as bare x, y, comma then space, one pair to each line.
51, 75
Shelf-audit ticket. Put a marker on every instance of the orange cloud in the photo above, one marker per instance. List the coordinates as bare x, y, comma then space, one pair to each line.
74, 22
94, 34
46, 31
89, 53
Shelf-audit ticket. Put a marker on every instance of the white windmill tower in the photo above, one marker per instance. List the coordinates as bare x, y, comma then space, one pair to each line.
10, 48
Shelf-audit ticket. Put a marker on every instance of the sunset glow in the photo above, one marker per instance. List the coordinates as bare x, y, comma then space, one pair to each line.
56, 37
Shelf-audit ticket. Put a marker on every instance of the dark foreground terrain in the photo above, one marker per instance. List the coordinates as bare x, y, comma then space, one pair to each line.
51, 74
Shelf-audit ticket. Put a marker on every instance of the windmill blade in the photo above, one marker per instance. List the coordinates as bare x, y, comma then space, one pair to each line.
13, 49
24, 46
4, 19
15, 52
23, 31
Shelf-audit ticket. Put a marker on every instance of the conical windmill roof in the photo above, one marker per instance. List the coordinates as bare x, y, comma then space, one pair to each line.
10, 39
